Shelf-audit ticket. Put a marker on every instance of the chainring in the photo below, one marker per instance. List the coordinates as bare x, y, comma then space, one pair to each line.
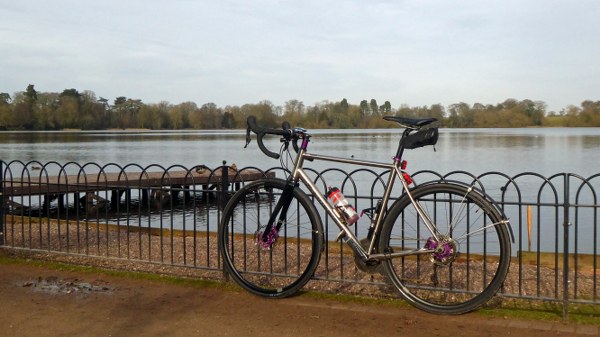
371, 266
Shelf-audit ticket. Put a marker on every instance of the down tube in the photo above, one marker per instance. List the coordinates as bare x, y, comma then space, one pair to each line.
315, 192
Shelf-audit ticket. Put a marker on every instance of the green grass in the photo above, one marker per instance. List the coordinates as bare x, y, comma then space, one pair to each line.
498, 308
544, 311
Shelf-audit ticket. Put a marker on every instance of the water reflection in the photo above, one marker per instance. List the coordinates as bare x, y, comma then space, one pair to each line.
509, 151
546, 151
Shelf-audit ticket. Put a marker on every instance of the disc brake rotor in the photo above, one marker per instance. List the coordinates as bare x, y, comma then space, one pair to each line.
266, 240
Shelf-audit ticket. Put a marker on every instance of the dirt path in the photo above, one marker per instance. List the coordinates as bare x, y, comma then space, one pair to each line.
37, 301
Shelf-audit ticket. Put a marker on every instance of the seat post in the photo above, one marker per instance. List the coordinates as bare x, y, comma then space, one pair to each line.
400, 150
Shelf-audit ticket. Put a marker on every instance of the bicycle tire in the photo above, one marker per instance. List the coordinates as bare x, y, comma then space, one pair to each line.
474, 249
288, 264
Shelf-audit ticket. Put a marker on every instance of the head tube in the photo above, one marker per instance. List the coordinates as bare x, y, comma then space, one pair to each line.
301, 133
305, 141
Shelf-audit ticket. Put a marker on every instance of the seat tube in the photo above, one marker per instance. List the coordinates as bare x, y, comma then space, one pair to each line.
384, 203
400, 150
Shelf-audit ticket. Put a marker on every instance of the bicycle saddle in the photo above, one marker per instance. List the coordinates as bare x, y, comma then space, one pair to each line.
413, 123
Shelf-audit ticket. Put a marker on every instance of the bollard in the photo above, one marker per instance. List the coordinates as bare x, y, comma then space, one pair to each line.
2, 229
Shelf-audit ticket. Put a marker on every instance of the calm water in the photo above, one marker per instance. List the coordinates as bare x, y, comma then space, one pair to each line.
545, 151
542, 150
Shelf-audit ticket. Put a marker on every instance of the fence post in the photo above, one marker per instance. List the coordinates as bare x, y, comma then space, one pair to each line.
223, 198
2, 229
566, 226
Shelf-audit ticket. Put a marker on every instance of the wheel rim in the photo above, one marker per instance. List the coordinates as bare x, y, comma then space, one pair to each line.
470, 255
275, 263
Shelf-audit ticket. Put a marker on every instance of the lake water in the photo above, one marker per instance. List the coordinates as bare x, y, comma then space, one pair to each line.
511, 151
542, 151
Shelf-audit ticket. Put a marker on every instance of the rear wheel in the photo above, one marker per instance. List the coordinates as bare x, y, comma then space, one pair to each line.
271, 264
468, 257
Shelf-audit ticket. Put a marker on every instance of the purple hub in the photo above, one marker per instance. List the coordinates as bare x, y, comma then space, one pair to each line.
265, 240
443, 250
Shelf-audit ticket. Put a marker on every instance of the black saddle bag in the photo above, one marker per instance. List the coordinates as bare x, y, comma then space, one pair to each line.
421, 138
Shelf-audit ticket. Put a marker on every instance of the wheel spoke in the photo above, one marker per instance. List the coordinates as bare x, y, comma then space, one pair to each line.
270, 262
470, 253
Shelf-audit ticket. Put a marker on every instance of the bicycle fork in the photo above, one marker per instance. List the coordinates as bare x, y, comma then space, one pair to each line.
266, 238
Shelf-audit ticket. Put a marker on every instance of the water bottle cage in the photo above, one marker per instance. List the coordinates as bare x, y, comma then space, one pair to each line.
342, 212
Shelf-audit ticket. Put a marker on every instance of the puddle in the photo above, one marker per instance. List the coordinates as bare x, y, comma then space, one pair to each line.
55, 285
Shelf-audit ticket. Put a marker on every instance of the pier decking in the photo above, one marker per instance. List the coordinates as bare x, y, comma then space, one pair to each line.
158, 186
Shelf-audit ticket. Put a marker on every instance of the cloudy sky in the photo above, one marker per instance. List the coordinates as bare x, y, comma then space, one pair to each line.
232, 52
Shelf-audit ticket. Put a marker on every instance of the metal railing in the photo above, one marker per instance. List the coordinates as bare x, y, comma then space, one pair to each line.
170, 215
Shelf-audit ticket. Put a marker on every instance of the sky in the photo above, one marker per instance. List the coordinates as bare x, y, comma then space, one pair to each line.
233, 52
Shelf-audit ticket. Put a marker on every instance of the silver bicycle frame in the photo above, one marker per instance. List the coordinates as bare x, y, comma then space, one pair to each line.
298, 174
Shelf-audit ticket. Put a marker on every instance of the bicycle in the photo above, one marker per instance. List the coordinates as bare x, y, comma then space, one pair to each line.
445, 246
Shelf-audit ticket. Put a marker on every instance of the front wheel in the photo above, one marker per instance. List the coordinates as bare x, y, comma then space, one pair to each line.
462, 264
270, 263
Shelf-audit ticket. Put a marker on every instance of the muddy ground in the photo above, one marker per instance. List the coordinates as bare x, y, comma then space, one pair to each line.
41, 301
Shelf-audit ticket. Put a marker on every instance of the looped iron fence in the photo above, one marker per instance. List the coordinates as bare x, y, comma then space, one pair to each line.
170, 215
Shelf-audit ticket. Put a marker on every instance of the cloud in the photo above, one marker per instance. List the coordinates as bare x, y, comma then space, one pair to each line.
236, 52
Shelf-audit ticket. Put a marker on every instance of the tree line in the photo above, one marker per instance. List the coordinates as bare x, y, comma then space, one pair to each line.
71, 109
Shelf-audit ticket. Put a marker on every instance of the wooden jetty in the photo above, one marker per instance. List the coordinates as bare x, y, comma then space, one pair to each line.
160, 187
